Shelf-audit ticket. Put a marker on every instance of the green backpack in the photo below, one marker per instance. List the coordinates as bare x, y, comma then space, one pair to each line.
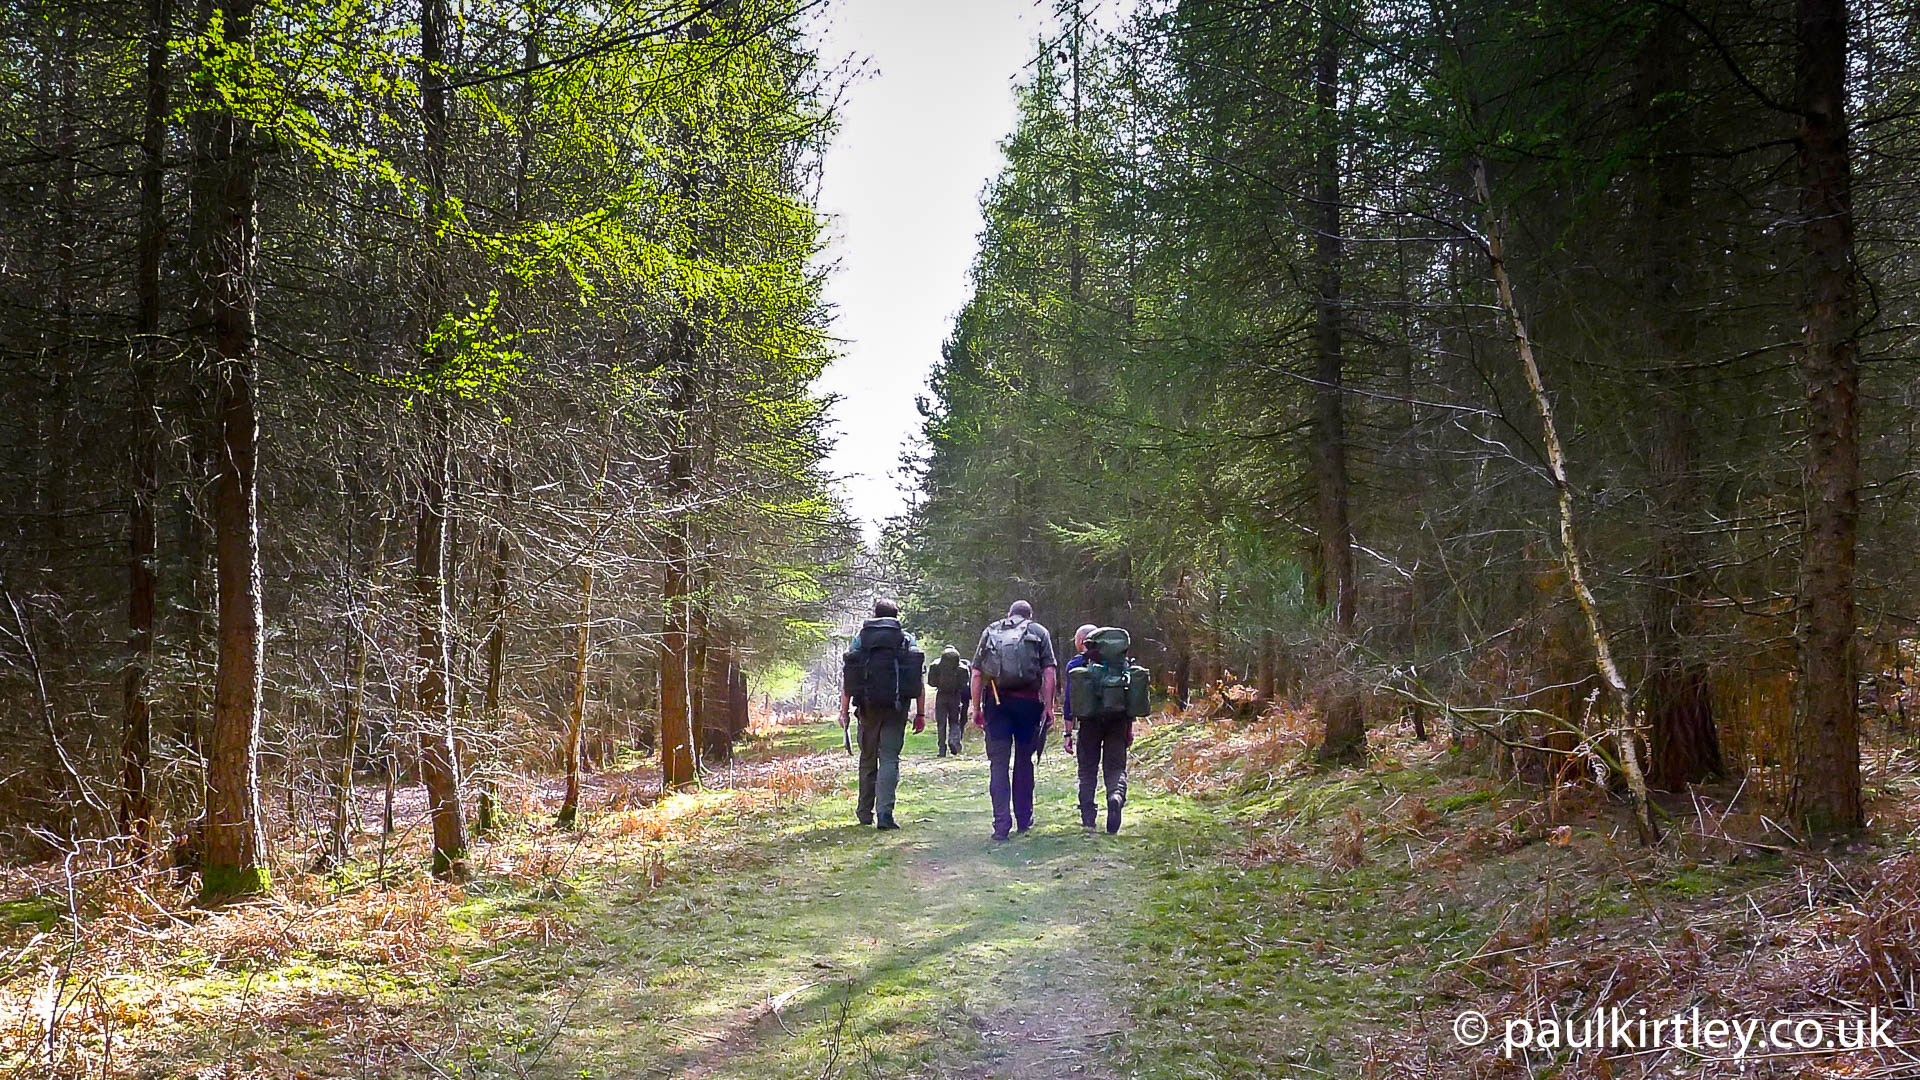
1109, 683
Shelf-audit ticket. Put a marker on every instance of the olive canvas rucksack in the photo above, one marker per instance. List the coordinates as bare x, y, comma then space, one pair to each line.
950, 673
1109, 684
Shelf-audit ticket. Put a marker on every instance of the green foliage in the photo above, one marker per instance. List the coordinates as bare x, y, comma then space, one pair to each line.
223, 883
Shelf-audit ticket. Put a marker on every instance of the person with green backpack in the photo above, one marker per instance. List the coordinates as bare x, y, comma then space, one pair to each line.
1105, 691
882, 675
951, 676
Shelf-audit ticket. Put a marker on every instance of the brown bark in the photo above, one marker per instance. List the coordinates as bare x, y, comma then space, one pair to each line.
136, 750
1823, 791
439, 765
716, 731
1346, 733
1264, 665
1685, 744
677, 761
234, 861
699, 675
738, 709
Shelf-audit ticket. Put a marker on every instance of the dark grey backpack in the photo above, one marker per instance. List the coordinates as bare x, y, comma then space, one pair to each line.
1010, 655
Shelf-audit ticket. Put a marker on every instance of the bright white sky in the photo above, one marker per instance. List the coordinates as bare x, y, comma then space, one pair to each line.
919, 139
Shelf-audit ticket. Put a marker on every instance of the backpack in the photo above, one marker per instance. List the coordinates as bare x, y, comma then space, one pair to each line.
1010, 655
949, 674
884, 667
1109, 684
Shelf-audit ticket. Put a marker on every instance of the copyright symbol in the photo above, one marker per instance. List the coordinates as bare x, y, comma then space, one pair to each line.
1470, 1028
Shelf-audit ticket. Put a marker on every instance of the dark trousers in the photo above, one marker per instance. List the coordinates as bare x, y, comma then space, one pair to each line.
1013, 734
950, 720
882, 731
1100, 746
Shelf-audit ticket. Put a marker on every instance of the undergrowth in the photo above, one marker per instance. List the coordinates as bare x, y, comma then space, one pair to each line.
1336, 923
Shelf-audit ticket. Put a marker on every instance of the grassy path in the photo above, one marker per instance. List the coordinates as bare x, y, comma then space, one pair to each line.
806, 945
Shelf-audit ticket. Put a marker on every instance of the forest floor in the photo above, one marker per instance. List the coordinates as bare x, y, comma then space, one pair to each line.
1255, 918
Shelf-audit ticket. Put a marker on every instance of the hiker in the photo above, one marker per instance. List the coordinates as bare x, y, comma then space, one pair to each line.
952, 677
1105, 691
1066, 682
1014, 681
882, 674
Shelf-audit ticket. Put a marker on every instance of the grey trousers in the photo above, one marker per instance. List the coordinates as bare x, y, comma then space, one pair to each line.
950, 718
882, 732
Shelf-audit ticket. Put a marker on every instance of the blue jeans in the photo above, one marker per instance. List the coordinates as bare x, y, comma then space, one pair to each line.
1013, 734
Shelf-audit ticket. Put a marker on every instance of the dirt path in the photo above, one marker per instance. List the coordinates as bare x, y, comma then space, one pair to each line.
814, 947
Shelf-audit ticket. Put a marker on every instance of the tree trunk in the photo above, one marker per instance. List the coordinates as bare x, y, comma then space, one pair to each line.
136, 753
1346, 733
439, 765
1823, 791
234, 862
1685, 744
699, 677
496, 661
577, 718
677, 761
716, 732
1613, 689
738, 710
361, 625
1264, 664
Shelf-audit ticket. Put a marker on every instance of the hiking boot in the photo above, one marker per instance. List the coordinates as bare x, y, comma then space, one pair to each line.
942, 753
866, 819
1114, 803
886, 822
999, 838
1088, 819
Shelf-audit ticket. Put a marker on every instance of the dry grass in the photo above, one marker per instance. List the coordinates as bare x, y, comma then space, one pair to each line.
1212, 755
1729, 915
1828, 941
118, 966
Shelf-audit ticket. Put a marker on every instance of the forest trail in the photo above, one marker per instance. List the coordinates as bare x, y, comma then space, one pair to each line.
819, 947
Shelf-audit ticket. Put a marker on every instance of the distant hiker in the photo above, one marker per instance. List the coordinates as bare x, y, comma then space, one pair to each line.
952, 677
1105, 691
1014, 681
882, 675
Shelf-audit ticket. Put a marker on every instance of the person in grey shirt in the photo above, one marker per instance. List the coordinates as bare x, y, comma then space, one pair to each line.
1014, 682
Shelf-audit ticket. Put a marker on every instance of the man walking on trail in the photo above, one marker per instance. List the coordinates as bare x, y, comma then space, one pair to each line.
1014, 681
883, 675
1103, 735
951, 678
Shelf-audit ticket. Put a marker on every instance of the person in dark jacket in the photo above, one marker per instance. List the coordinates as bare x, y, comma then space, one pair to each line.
883, 724
1101, 752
